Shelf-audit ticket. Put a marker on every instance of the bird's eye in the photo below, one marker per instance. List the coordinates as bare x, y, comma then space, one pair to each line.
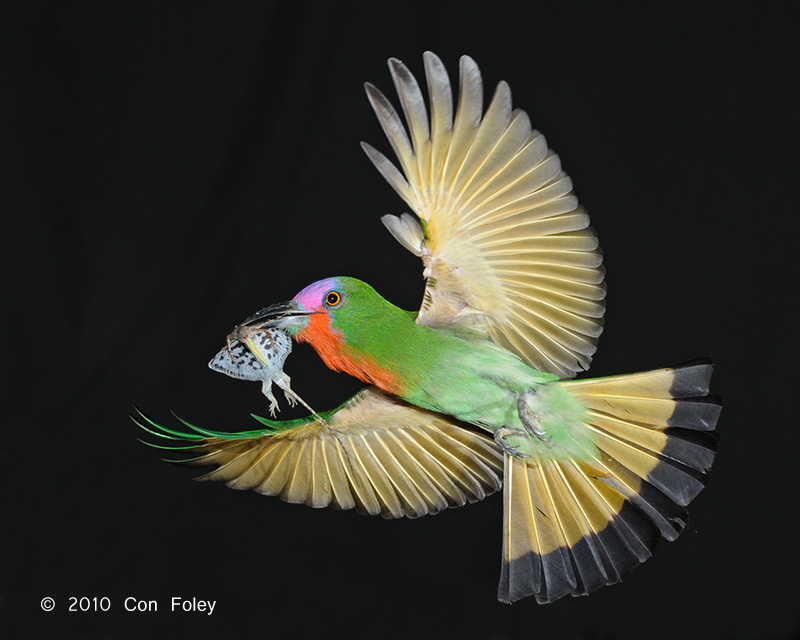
333, 298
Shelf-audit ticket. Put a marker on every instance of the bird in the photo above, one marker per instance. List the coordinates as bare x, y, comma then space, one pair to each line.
475, 392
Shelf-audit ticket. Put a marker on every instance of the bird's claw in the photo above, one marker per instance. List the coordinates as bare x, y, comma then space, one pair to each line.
530, 420
500, 436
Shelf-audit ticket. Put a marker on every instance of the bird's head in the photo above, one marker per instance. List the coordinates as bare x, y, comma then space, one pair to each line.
343, 319
324, 306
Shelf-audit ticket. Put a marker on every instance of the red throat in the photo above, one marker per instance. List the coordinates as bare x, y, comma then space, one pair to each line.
332, 347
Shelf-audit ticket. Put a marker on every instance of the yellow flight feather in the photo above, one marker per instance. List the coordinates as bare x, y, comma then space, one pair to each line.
508, 250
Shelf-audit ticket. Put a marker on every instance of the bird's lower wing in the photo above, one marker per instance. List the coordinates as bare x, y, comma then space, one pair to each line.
375, 453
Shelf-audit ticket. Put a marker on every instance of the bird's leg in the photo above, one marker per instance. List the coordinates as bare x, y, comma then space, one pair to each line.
530, 420
500, 436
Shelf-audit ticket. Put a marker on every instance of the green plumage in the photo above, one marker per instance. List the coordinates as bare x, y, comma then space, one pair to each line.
442, 370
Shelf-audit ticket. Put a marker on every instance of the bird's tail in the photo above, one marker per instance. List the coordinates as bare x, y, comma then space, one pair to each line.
569, 526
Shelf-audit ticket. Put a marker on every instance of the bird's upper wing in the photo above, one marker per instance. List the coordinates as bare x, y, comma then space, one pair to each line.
507, 249
377, 454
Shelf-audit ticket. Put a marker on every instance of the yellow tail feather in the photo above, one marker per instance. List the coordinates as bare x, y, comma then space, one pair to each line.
571, 527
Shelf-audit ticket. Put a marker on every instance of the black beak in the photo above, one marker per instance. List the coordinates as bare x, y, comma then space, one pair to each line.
277, 316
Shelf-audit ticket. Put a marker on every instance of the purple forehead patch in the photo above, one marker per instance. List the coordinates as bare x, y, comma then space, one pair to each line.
311, 297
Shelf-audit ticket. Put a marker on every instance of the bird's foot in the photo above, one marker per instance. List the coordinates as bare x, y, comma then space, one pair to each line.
530, 420
500, 436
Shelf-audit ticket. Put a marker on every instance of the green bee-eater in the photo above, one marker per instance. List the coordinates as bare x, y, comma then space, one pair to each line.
473, 391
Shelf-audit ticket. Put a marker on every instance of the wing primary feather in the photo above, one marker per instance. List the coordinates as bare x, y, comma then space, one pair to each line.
552, 218
486, 140
239, 461
441, 105
213, 451
575, 304
391, 504
276, 478
416, 115
238, 481
338, 477
436, 471
318, 495
512, 243
394, 130
578, 325
420, 475
530, 158
401, 478
492, 178
367, 498
536, 178
481, 466
390, 173
554, 283
520, 343
559, 337
467, 118
449, 461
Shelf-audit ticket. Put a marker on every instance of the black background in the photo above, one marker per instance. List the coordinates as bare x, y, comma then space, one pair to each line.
171, 169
